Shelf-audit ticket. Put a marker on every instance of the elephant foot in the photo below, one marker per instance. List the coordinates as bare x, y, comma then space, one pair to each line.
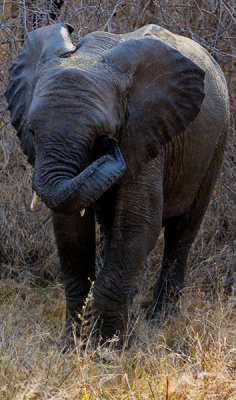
96, 340
93, 327
107, 332
158, 312
69, 339
68, 344
110, 316
166, 305
166, 297
77, 338
78, 327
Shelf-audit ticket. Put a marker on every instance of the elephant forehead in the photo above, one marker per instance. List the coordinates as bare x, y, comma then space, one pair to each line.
70, 78
72, 96
65, 88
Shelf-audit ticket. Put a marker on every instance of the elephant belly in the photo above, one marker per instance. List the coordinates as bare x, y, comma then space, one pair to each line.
188, 156
185, 166
181, 181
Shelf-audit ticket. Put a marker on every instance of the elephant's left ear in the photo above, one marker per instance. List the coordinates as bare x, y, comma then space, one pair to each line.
164, 96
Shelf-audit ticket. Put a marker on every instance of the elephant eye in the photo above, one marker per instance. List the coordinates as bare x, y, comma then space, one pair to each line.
32, 133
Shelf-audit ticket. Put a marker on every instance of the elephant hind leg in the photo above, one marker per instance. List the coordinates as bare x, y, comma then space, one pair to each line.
180, 233
171, 279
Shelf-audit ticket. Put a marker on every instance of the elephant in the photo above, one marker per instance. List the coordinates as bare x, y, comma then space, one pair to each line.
126, 131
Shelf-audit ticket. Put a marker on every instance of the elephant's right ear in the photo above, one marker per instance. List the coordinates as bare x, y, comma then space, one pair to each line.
41, 45
163, 91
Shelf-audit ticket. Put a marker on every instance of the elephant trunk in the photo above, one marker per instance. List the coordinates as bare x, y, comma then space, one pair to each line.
68, 195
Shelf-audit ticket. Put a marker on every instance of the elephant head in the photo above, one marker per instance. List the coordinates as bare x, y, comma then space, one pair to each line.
59, 114
140, 93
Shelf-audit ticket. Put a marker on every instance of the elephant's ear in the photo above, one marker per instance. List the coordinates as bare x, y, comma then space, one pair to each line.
41, 45
164, 96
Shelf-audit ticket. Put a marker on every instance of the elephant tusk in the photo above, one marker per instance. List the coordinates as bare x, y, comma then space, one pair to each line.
82, 212
34, 202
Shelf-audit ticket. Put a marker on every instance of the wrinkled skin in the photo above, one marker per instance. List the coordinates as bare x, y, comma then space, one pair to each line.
131, 127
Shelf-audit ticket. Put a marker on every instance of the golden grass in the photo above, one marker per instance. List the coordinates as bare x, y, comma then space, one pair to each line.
190, 356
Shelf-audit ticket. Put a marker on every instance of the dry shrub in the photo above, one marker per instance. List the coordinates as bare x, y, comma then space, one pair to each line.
191, 356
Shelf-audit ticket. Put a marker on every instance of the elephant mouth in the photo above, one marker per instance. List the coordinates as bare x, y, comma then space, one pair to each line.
69, 195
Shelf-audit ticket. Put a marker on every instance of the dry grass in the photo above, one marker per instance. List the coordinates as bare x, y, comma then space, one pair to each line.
190, 356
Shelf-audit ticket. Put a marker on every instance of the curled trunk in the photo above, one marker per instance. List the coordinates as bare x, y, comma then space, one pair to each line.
70, 195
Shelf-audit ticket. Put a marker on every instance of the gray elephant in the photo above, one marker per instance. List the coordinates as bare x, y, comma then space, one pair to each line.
130, 128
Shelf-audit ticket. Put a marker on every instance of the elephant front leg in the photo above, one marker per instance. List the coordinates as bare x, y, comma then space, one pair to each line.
75, 238
136, 228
